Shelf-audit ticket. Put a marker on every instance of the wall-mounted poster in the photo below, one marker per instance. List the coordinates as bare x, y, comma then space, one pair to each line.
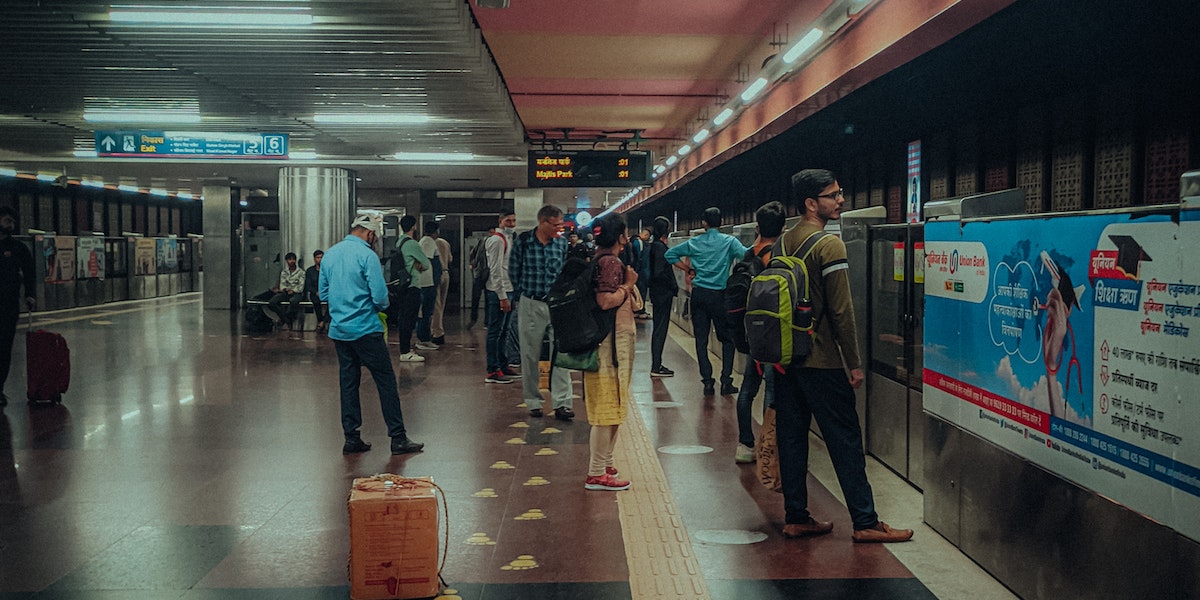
1068, 341
59, 254
89, 258
168, 260
143, 257
913, 212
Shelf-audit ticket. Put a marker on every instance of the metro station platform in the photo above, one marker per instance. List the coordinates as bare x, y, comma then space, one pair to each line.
189, 461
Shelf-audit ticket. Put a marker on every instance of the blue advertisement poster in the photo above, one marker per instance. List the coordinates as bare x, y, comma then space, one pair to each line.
1071, 340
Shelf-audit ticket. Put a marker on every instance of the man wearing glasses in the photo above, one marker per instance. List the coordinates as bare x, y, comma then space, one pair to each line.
823, 387
537, 259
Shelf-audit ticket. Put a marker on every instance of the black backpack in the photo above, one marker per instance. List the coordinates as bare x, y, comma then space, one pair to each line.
579, 324
737, 288
398, 276
254, 320
480, 271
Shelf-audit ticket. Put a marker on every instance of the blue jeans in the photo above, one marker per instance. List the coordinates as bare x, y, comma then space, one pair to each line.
801, 394
369, 351
497, 332
428, 299
751, 379
708, 310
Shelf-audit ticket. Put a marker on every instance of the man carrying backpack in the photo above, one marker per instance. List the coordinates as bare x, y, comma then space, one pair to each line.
821, 386
537, 259
771, 218
711, 253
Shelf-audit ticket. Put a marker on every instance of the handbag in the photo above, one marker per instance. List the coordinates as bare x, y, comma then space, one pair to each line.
578, 361
767, 451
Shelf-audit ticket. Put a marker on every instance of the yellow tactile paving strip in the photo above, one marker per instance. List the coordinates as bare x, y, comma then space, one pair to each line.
662, 563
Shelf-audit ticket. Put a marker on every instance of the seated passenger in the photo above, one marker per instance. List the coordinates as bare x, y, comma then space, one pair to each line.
290, 288
311, 276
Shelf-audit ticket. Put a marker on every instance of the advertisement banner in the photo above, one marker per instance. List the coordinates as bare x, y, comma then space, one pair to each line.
59, 254
89, 258
1074, 350
143, 257
168, 261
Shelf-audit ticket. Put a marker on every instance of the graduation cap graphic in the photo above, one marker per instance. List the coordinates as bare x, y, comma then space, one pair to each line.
1061, 280
1130, 255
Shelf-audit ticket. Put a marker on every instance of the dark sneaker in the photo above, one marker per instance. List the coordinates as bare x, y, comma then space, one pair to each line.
440, 340
709, 389
404, 446
497, 376
563, 413
882, 533
812, 527
509, 372
535, 412
662, 372
354, 446
728, 389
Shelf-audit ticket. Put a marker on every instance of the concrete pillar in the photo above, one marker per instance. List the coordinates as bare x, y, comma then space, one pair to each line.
220, 281
316, 206
526, 203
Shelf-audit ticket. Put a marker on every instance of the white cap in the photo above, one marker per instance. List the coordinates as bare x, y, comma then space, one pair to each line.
368, 222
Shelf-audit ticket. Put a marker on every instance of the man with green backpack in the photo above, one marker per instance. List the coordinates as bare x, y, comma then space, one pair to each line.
822, 383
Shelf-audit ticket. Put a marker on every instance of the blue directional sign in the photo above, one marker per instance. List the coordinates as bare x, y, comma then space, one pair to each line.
190, 144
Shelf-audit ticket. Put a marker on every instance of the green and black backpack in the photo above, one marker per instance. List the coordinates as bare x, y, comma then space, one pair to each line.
779, 320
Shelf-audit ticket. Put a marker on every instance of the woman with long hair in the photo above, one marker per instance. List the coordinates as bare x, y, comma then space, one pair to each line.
607, 390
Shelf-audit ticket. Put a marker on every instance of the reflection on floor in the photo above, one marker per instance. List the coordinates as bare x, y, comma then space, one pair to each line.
189, 461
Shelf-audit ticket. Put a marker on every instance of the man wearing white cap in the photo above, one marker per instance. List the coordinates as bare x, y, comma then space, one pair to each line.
352, 283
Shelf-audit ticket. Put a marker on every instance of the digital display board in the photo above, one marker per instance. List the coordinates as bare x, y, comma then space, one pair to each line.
588, 168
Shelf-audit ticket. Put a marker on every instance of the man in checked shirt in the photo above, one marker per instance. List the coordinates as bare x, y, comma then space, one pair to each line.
536, 260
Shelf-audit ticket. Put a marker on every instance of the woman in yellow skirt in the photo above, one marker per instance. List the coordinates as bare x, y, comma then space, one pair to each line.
607, 390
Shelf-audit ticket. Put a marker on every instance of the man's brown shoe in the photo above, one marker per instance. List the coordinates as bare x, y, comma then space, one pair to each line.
812, 527
882, 533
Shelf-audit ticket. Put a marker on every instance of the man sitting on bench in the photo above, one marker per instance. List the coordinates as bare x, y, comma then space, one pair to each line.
311, 276
290, 288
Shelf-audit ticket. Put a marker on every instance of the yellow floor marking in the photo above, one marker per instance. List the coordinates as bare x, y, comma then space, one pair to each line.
551, 430
545, 452
532, 514
449, 594
522, 563
502, 464
480, 539
658, 550
537, 480
515, 441
520, 424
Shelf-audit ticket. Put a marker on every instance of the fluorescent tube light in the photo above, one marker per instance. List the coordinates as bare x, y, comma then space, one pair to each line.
659, 169
128, 188
45, 177
722, 117
85, 154
184, 195
92, 183
158, 192
700, 136
809, 40
283, 17
141, 116
434, 156
756, 87
672, 160
8, 173
371, 119
684, 149
303, 154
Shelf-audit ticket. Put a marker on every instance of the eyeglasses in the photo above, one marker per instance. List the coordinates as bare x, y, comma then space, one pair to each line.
833, 195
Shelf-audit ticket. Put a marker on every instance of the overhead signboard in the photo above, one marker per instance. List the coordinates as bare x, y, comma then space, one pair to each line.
588, 168
190, 144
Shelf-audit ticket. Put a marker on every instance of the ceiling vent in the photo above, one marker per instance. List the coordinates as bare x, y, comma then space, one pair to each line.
491, 3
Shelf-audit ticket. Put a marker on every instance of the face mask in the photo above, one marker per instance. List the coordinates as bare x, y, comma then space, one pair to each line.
509, 230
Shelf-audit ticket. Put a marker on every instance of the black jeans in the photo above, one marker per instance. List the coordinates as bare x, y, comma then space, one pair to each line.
320, 309
369, 351
408, 304
276, 306
801, 394
708, 310
751, 381
662, 323
9, 316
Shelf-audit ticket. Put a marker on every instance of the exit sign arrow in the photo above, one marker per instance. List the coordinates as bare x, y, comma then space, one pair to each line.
108, 143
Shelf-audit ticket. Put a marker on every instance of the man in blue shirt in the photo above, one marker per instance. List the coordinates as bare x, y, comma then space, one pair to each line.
712, 254
352, 283
536, 260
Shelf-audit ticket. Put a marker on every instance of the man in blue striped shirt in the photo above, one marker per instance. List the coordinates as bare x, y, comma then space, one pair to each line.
536, 260
712, 254
352, 283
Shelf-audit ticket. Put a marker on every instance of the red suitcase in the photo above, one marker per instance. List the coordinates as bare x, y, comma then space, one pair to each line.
48, 365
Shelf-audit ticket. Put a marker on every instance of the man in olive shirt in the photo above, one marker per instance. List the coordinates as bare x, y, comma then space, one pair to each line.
823, 387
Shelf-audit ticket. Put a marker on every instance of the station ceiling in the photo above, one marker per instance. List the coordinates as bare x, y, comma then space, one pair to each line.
491, 81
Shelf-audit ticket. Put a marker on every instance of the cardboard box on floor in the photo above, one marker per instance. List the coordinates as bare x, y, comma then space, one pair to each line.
393, 539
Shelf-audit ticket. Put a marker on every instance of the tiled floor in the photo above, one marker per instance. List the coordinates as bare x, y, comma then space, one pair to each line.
188, 461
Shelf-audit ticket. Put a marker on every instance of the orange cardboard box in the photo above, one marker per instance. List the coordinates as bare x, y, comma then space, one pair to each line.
393, 539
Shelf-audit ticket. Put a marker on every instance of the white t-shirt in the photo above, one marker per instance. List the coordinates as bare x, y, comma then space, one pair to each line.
429, 247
